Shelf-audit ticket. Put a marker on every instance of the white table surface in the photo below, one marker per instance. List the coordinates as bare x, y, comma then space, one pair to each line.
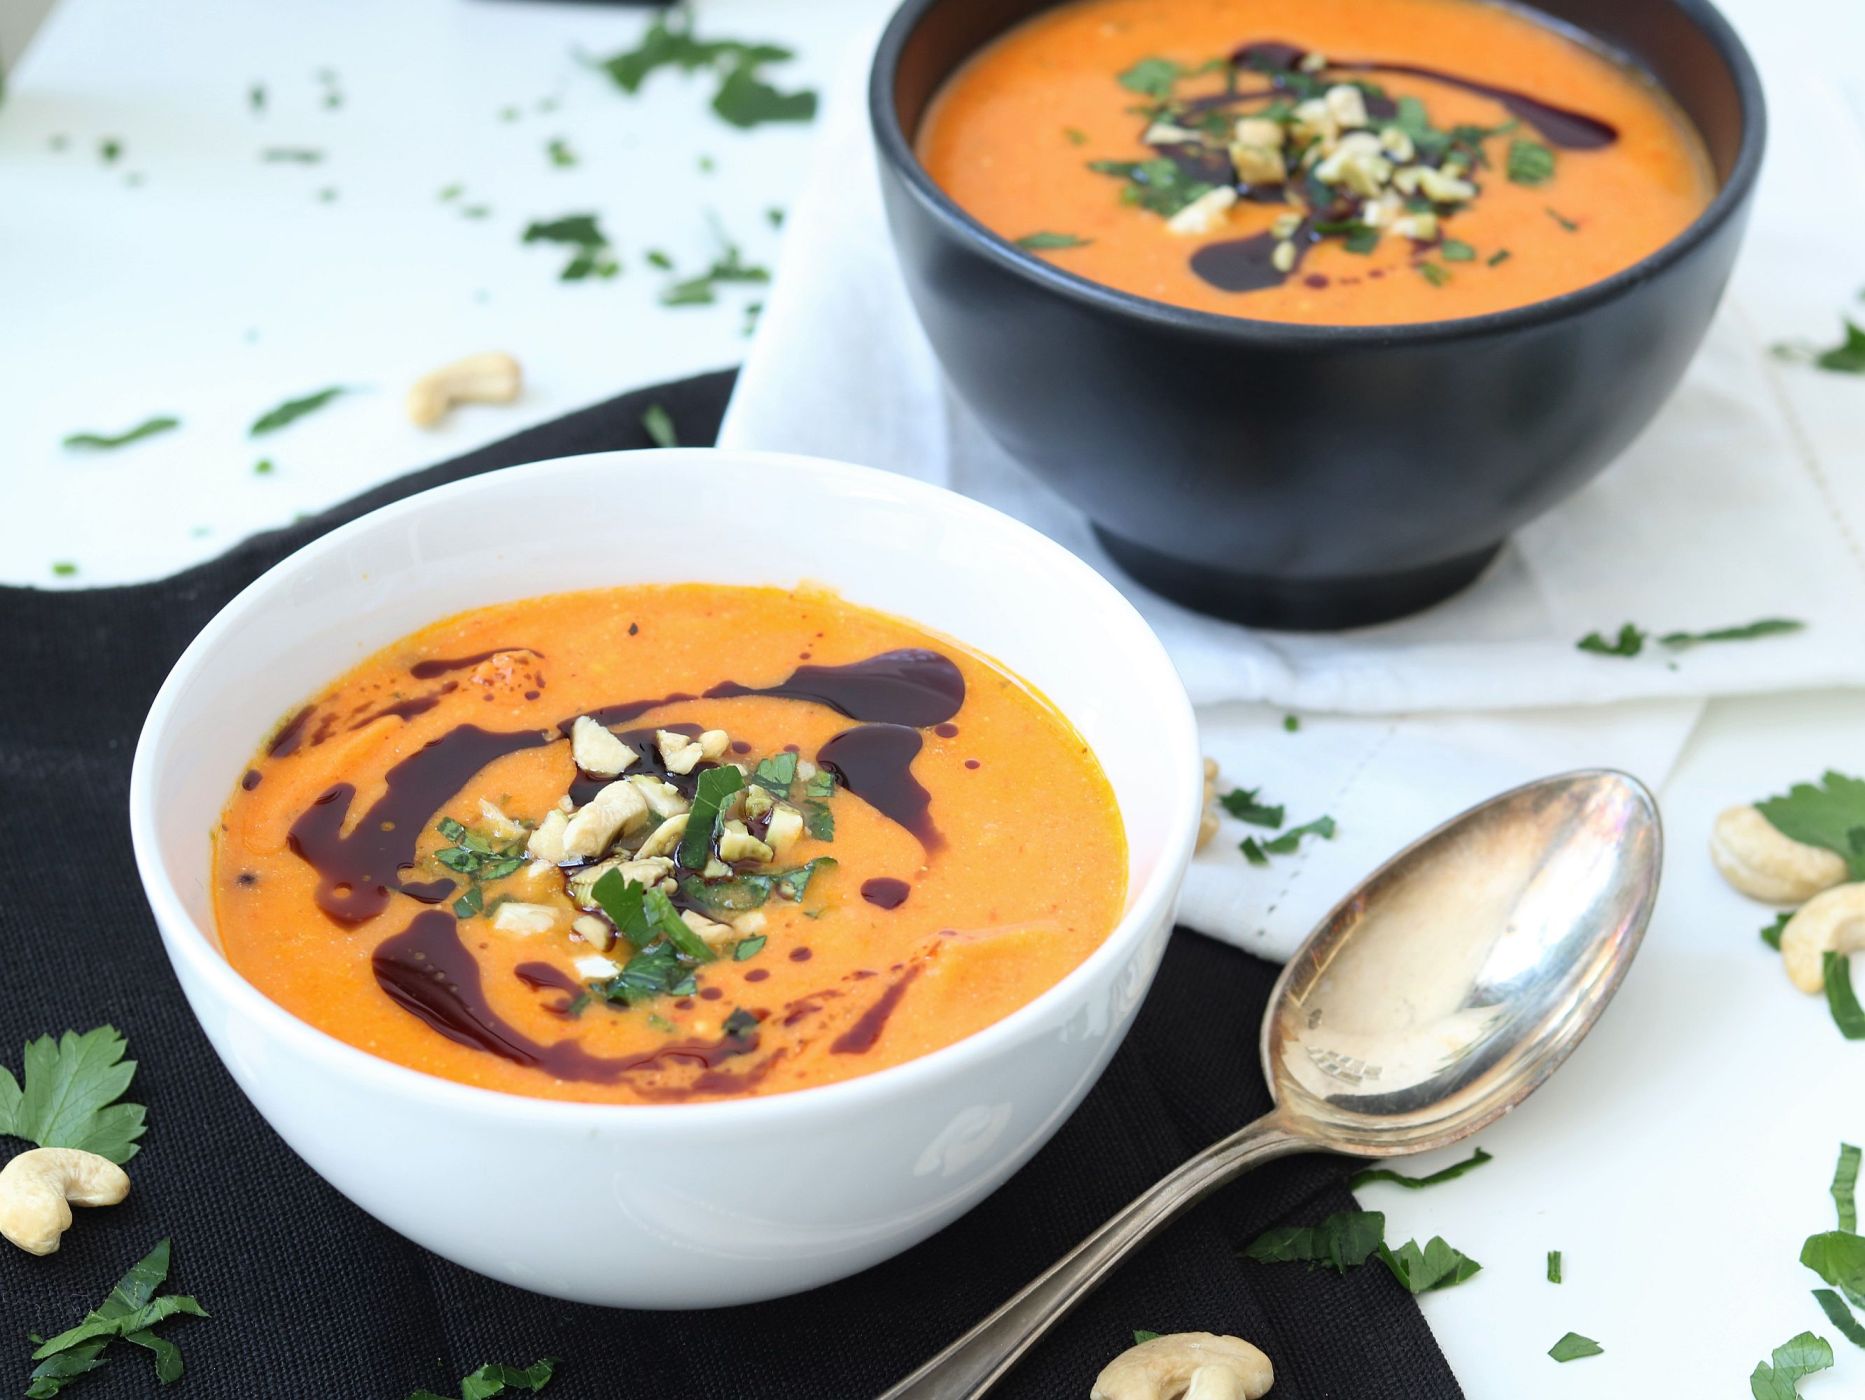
1677, 1161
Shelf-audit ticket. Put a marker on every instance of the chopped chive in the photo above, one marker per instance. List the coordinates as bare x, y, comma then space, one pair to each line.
1840, 998
1554, 1266
101, 442
1501, 255
1844, 1187
1418, 1183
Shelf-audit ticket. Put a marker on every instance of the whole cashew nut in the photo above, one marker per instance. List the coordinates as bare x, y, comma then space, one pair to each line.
493, 377
1763, 862
38, 1189
1833, 922
1186, 1366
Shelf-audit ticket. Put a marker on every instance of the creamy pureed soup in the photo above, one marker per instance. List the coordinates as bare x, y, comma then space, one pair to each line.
1336, 162
654, 844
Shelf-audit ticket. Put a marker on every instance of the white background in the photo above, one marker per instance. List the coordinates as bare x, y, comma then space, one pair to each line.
1677, 1162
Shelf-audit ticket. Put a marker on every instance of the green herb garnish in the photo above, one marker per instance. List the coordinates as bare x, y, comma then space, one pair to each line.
620, 898
776, 773
100, 442
1345, 1240
1291, 723
70, 1092
1798, 1356
256, 97
1573, 1346
291, 155
739, 1025
64, 568
470, 903
818, 819
1771, 935
1563, 221
1836, 971
1426, 1270
292, 410
1434, 274
1362, 240
657, 422
1847, 357
1830, 813
743, 98
1840, 1315
749, 947
1500, 256
593, 255
1530, 162
1845, 1186
1630, 641
1158, 185
1152, 77
1838, 1257
1292, 838
1140, 1336
1554, 1266
733, 896
702, 290
1244, 804
109, 149
1747, 632
667, 921
263, 467
1418, 1183
702, 823
1075, 135
560, 153
1043, 242
793, 884
493, 1380
130, 1313
1456, 250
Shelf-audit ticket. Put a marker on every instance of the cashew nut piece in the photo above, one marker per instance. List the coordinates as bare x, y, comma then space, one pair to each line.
1186, 1366
38, 1189
493, 377
1763, 862
1833, 922
1207, 815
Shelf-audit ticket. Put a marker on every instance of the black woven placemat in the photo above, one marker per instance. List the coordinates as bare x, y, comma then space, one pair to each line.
310, 1297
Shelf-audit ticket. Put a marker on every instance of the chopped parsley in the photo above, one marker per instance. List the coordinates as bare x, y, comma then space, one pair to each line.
1287, 843
793, 884
1427, 1270
592, 255
1847, 357
657, 422
292, 410
256, 97
1043, 242
1418, 1183
749, 947
1158, 185
776, 773
1530, 162
1554, 1266
1845, 1186
493, 1380
1840, 1315
1563, 220
1771, 934
1292, 723
561, 156
1830, 813
702, 823
1075, 136
1434, 274
740, 1024
1245, 805
1841, 1000
743, 98
1140, 1336
263, 467
1630, 639
1345, 1240
480, 858
1573, 1346
1798, 1356
67, 1092
702, 290
102, 442
291, 155
109, 149
1456, 250
131, 1313
1497, 258
1152, 77
64, 568
1838, 1257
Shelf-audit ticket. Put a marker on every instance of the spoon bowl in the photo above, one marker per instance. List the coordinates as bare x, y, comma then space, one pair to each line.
1428, 1003
1458, 976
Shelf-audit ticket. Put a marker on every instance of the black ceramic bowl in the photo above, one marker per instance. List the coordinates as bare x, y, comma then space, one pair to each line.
1312, 476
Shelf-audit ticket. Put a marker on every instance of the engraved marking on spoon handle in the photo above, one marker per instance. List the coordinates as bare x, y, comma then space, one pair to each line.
979, 1359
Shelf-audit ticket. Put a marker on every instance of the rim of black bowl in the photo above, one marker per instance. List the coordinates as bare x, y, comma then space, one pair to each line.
891, 138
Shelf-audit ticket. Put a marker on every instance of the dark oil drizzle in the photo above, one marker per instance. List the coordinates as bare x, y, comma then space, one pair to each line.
1244, 264
911, 686
861, 1037
252, 779
439, 666
427, 891
885, 892
406, 709
648, 761
286, 741
875, 762
547, 977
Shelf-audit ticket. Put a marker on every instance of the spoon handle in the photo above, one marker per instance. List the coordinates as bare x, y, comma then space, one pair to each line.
978, 1360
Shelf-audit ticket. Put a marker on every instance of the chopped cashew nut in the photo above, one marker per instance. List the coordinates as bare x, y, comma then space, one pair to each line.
756, 802
679, 753
663, 799
1764, 862
38, 1188
1186, 1366
735, 843
713, 744
1205, 214
524, 919
1207, 817
596, 749
546, 842
1831, 922
786, 826
595, 932
640, 872
747, 924
493, 377
665, 837
593, 966
498, 823
712, 931
616, 809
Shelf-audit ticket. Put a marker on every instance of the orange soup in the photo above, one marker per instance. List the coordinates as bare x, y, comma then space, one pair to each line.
1335, 162
648, 845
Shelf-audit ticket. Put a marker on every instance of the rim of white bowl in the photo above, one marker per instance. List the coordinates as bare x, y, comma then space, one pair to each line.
185, 938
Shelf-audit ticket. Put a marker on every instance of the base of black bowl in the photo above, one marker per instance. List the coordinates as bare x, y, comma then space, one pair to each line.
1297, 605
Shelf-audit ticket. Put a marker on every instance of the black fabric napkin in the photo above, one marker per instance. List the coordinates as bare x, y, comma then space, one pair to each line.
310, 1297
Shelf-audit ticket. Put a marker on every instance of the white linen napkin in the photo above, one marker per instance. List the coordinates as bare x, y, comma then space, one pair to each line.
1729, 509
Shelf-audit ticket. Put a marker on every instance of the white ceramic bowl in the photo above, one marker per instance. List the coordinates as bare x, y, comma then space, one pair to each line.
750, 1199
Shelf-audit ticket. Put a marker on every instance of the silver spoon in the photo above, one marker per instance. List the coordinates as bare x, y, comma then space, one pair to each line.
1429, 1002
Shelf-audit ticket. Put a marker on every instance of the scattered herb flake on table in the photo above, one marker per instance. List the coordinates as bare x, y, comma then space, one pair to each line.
495, 1379
1426, 1270
658, 424
1418, 1183
1836, 970
1530, 162
560, 153
256, 97
1285, 844
594, 256
1771, 935
1573, 1346
1847, 357
1245, 805
291, 155
1554, 1266
1291, 723
1140, 1335
64, 568
109, 149
1830, 813
743, 98
1345, 1240
1798, 1356
102, 442
1840, 1315
1630, 639
729, 267
1845, 1187
292, 410
67, 1095
130, 1314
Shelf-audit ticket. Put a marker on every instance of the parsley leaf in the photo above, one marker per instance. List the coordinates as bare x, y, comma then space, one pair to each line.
133, 1292
658, 424
1573, 1346
1042, 242
776, 773
1253, 851
1418, 1183
749, 947
1847, 357
1629, 642
1563, 220
1845, 1186
818, 820
1152, 77
594, 256
101, 442
1290, 839
560, 153
793, 884
620, 898
1554, 1266
70, 1095
1771, 935
1432, 273
1158, 185
1796, 1357
736, 895
714, 786
1292, 723
1243, 804
1497, 258
1836, 970
1830, 813
1530, 162
292, 410
1840, 1315
1747, 632
1456, 250
745, 100
1345, 1240
1838, 1257
702, 290
494, 1379
1425, 1270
